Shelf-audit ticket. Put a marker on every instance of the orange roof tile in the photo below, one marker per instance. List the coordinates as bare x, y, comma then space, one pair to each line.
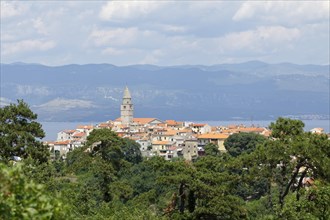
79, 134
186, 130
173, 122
213, 136
198, 125
140, 120
171, 132
85, 127
104, 125
251, 129
69, 131
161, 143
143, 120
62, 142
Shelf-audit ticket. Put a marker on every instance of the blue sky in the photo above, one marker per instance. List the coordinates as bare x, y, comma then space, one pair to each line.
164, 32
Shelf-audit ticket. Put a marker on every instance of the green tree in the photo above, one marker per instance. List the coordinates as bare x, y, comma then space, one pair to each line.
285, 128
132, 151
314, 205
291, 156
211, 149
20, 134
239, 143
214, 185
21, 198
108, 145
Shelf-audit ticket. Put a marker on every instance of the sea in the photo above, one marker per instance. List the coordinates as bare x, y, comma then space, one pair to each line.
52, 128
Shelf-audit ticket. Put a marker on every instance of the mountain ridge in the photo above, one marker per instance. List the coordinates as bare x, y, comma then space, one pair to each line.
225, 91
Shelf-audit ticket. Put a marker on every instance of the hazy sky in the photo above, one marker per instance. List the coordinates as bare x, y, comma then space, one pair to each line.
164, 32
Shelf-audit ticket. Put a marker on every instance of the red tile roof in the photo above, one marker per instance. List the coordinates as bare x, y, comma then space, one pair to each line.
62, 142
85, 127
198, 125
213, 136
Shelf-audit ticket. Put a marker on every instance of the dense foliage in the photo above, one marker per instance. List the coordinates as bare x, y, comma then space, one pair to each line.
108, 179
21, 198
20, 134
239, 143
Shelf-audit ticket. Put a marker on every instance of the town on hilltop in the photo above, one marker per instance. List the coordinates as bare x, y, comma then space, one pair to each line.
165, 138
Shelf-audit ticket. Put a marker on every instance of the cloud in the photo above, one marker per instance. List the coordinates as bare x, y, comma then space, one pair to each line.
116, 36
290, 12
39, 25
165, 32
122, 10
173, 28
60, 104
4, 102
27, 46
153, 57
11, 9
115, 40
260, 39
112, 51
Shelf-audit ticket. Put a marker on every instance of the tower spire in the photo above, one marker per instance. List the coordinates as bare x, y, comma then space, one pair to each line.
127, 94
126, 109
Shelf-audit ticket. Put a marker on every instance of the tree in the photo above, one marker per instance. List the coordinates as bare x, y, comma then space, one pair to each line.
132, 151
285, 128
291, 156
21, 198
214, 186
108, 145
20, 134
239, 143
211, 149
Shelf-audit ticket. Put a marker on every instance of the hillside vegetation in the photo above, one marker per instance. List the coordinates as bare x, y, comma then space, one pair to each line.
284, 177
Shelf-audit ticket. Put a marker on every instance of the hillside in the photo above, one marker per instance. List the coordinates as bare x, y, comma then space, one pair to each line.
193, 92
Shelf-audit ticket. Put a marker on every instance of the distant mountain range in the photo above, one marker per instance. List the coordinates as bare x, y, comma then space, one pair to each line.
93, 92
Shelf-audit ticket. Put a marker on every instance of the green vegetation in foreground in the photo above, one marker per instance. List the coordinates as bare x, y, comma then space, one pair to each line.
257, 179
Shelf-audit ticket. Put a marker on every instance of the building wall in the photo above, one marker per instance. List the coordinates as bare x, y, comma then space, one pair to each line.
189, 149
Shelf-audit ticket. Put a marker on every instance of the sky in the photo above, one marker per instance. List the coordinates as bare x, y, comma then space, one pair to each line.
164, 32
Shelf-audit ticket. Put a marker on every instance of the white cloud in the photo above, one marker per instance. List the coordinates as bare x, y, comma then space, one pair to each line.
27, 46
4, 102
165, 32
173, 28
248, 10
289, 12
112, 51
122, 10
118, 36
11, 9
39, 25
60, 104
153, 57
261, 39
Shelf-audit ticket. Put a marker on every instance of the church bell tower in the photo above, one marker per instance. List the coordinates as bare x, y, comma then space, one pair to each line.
126, 109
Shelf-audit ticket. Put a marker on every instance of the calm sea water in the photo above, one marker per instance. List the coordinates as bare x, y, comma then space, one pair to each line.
52, 128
